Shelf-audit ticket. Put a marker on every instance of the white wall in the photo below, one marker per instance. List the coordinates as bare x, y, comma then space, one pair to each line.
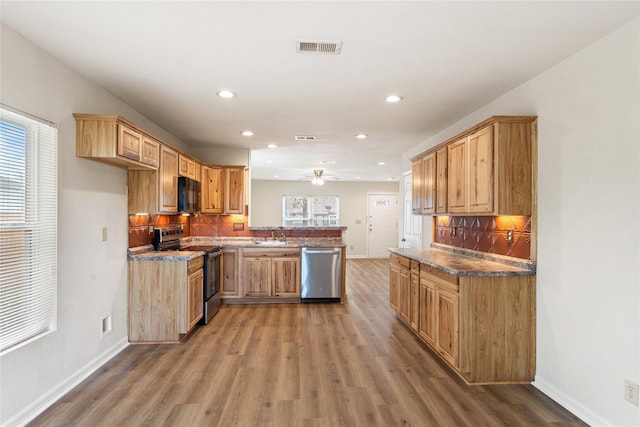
588, 298
92, 275
265, 208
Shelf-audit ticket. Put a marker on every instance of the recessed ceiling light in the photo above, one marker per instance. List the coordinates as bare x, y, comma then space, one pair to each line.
328, 162
394, 98
357, 177
226, 94
247, 133
269, 161
276, 176
381, 163
361, 136
272, 146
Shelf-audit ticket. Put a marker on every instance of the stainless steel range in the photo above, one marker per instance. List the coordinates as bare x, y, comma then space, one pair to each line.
168, 239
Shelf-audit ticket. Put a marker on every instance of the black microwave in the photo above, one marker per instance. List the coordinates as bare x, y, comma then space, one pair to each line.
188, 195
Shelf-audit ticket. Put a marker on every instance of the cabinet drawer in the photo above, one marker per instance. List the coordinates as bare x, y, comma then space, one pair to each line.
447, 281
260, 252
195, 264
399, 261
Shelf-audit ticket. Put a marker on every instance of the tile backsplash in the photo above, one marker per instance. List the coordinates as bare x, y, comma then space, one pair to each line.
141, 228
486, 234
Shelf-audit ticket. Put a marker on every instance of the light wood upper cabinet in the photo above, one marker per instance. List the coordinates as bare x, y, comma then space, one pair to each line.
187, 167
234, 189
495, 169
155, 192
484, 170
416, 186
150, 151
441, 180
429, 183
212, 188
113, 140
480, 168
129, 143
457, 179
168, 180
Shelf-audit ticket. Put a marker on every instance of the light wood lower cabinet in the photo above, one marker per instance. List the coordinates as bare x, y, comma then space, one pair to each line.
482, 327
399, 282
165, 299
229, 272
270, 272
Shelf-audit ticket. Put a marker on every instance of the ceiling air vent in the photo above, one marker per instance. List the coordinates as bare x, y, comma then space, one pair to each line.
317, 46
305, 138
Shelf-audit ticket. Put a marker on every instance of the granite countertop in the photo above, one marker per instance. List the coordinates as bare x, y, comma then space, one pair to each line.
146, 252
459, 264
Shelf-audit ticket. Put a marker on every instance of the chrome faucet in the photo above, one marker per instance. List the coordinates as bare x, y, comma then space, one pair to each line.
273, 235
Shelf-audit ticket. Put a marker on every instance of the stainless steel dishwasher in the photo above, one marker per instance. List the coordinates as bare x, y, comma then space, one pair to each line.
321, 275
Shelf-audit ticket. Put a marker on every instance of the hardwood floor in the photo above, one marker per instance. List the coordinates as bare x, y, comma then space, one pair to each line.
298, 365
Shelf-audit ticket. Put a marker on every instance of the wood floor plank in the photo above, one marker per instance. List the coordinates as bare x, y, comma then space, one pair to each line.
310, 365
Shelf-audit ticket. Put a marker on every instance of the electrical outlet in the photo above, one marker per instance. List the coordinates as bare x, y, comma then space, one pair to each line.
106, 325
631, 392
238, 226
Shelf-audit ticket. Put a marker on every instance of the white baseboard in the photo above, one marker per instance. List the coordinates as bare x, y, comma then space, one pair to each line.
37, 407
570, 404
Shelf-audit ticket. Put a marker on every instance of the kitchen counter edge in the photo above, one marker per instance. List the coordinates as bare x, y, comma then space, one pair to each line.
463, 265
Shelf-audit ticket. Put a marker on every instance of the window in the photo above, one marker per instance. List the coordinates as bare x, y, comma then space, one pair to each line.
28, 228
310, 210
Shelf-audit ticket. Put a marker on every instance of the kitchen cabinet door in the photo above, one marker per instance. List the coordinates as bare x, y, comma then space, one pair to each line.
229, 272
285, 276
129, 143
234, 190
168, 180
480, 145
187, 167
404, 285
394, 286
414, 299
416, 186
427, 327
195, 297
429, 183
441, 180
256, 274
457, 179
150, 151
212, 187
447, 329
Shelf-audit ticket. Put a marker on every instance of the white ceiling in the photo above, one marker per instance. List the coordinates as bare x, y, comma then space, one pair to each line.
168, 60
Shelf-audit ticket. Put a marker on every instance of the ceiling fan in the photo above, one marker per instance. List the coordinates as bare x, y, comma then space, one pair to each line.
319, 178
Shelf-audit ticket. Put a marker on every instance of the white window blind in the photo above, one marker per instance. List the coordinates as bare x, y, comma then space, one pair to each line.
28, 228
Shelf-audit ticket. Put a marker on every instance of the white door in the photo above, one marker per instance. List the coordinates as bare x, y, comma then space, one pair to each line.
382, 224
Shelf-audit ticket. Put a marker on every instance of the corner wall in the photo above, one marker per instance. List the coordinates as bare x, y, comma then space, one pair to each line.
92, 274
588, 281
